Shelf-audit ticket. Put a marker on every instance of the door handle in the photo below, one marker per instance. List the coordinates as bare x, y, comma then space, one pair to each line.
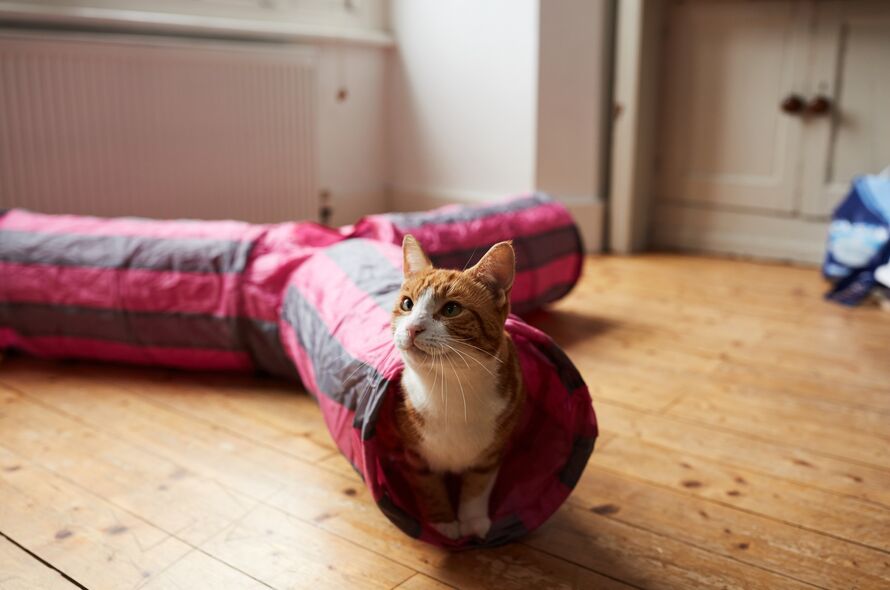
818, 105
792, 104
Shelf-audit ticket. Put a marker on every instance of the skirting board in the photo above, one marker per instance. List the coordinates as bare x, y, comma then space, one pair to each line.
589, 213
689, 228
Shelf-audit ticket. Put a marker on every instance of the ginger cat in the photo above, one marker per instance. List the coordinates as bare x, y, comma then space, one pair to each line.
463, 391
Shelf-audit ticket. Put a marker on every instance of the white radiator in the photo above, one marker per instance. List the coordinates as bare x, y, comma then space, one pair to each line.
141, 126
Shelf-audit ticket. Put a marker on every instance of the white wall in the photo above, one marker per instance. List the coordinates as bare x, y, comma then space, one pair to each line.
573, 79
462, 98
479, 99
574, 109
489, 98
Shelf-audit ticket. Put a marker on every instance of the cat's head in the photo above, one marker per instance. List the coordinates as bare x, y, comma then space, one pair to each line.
449, 313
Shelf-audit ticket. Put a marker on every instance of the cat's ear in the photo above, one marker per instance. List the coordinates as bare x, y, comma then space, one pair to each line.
498, 267
415, 259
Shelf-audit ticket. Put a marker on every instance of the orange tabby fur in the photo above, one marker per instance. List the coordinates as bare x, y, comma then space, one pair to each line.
469, 349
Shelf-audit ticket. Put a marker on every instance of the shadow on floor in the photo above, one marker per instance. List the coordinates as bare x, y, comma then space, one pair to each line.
569, 327
563, 553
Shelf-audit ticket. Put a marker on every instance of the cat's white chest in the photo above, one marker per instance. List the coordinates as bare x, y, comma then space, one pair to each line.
455, 445
453, 439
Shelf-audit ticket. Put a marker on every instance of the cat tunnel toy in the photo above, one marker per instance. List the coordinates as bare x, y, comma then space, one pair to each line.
303, 301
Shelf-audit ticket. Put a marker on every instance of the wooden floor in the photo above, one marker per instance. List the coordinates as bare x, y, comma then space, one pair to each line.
745, 444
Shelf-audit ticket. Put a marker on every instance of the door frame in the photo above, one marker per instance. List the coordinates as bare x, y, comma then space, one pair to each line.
639, 35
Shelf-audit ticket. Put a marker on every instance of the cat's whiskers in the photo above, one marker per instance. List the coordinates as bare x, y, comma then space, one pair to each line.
457, 352
462, 356
475, 360
369, 383
359, 365
464, 343
387, 351
470, 259
346, 354
444, 389
435, 373
459, 384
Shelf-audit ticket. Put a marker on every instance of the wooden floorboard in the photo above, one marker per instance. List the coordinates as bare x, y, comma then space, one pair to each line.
743, 445
21, 570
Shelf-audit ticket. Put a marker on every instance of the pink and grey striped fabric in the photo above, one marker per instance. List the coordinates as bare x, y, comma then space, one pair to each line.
344, 351
546, 239
305, 301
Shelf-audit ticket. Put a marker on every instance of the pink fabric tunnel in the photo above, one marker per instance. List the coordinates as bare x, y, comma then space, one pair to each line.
301, 300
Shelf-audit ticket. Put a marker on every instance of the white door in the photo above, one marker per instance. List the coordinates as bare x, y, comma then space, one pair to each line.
851, 71
727, 67
737, 170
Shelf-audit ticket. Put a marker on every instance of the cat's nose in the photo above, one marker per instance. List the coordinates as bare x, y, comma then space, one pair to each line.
413, 331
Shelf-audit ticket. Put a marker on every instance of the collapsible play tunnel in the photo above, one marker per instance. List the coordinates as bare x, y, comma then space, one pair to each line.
344, 351
305, 301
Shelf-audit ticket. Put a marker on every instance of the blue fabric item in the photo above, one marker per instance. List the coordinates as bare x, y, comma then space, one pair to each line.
858, 240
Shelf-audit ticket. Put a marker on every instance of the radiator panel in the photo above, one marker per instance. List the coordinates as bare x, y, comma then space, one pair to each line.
105, 125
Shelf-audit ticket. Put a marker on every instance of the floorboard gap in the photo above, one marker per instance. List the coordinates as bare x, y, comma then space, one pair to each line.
43, 561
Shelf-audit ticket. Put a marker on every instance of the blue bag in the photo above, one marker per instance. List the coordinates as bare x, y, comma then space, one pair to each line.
859, 240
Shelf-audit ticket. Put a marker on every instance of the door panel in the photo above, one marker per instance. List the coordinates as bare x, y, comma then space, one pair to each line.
723, 138
851, 66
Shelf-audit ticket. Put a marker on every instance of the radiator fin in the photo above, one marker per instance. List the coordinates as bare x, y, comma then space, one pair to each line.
157, 128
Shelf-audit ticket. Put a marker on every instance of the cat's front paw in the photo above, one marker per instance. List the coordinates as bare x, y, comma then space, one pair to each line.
475, 527
449, 529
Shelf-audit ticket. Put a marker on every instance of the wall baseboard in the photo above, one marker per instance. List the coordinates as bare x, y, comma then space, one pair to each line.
589, 212
687, 228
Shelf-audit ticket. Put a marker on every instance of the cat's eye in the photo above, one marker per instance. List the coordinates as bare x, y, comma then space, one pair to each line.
407, 304
451, 309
